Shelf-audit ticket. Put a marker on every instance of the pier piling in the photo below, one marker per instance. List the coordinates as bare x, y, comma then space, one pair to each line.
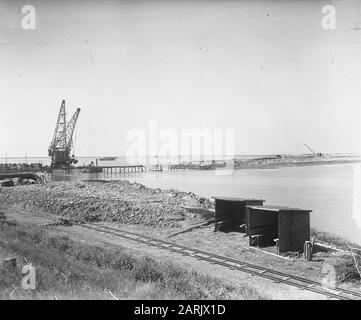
122, 169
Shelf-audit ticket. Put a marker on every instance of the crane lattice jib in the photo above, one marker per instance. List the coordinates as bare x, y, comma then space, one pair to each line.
70, 129
63, 134
310, 149
60, 125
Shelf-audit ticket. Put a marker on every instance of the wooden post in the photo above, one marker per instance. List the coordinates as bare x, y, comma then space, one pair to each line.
277, 241
2, 216
307, 251
9, 263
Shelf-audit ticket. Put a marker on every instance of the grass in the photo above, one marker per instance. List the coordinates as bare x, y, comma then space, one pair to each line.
66, 269
333, 240
345, 266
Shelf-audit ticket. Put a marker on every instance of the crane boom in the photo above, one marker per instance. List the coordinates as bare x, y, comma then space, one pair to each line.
70, 128
62, 142
65, 137
313, 152
60, 127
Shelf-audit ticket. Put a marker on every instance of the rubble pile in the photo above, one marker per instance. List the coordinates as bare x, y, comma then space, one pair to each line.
100, 200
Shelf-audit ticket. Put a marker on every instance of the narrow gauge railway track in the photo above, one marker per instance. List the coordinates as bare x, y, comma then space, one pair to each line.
233, 264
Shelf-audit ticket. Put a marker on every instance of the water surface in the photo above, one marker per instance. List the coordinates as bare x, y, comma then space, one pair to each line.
327, 190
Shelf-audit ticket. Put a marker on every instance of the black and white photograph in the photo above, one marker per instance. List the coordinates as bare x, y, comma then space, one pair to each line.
191, 152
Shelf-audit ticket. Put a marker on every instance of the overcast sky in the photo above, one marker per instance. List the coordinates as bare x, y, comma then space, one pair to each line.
266, 69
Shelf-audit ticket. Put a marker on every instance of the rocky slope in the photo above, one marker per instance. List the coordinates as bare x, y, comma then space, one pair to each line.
119, 201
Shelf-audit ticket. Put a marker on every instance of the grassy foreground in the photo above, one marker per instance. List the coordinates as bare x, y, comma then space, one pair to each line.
66, 269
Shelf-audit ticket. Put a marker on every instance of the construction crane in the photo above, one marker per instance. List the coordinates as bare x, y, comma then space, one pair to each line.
313, 152
62, 143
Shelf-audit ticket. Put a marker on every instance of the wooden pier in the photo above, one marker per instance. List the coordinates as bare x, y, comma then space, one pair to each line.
122, 169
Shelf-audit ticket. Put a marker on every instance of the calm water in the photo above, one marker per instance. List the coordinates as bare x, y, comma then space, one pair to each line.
327, 190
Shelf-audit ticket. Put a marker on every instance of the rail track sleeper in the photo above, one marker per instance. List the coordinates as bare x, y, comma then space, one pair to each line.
252, 270
263, 271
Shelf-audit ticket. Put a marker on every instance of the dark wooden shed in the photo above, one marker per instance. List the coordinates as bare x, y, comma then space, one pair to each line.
230, 212
288, 227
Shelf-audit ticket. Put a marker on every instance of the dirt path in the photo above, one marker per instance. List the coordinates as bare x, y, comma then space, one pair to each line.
263, 287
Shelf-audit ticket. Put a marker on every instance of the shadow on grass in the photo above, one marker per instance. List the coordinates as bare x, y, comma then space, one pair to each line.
67, 269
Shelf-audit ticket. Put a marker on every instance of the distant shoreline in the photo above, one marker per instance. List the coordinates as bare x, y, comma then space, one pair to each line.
251, 156
235, 163
293, 161
297, 164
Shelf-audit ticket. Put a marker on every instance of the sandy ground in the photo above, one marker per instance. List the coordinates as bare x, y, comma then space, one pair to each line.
233, 245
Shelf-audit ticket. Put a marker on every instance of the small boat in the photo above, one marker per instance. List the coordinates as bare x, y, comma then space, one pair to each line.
107, 158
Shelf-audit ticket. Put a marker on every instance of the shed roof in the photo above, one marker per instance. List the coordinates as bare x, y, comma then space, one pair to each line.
276, 208
235, 199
